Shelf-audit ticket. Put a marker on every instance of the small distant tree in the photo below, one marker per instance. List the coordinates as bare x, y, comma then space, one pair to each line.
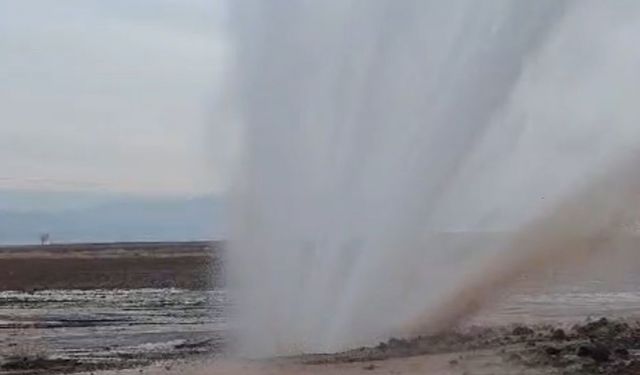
45, 239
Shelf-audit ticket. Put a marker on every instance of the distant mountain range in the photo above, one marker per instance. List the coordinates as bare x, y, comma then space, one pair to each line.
85, 217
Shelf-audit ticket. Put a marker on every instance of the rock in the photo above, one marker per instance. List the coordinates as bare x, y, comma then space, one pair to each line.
597, 352
558, 335
398, 343
550, 350
622, 353
454, 362
633, 367
584, 351
603, 329
600, 353
522, 331
513, 357
370, 367
592, 327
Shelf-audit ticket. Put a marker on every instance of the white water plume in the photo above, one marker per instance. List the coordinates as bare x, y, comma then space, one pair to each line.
396, 149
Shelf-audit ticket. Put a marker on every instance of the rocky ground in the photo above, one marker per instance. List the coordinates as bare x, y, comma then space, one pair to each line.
599, 346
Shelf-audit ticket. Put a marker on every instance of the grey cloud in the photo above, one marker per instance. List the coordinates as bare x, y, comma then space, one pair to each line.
113, 93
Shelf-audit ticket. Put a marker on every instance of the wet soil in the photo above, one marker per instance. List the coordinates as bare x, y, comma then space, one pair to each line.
65, 331
600, 346
88, 308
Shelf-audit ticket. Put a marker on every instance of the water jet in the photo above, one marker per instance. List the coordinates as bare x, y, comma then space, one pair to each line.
397, 153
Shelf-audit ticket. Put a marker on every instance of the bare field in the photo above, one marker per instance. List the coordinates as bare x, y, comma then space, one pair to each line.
189, 265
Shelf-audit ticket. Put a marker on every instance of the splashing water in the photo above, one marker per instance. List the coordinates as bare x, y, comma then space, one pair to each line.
404, 159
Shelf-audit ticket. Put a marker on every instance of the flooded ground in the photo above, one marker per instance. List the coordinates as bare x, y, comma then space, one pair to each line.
607, 286
86, 326
558, 305
111, 328
128, 328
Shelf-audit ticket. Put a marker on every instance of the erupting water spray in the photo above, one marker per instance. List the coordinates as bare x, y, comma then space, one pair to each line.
405, 159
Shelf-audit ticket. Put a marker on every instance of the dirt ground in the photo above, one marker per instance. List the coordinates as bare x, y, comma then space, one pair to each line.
602, 346
437, 364
594, 347
110, 266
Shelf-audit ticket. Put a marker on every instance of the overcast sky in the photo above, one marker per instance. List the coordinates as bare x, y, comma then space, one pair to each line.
113, 96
